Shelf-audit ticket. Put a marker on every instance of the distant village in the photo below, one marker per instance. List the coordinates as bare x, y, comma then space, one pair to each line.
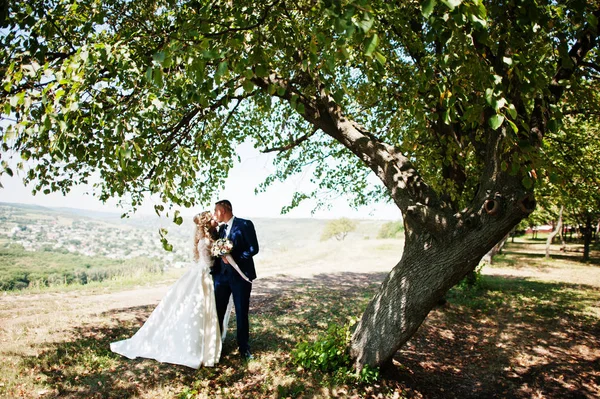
54, 232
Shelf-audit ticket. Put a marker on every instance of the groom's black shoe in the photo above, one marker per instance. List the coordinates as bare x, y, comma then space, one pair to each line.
247, 356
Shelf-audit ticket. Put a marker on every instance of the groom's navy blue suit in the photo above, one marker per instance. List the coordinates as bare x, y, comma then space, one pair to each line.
228, 281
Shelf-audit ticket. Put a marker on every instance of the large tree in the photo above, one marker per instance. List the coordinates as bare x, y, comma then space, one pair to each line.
446, 102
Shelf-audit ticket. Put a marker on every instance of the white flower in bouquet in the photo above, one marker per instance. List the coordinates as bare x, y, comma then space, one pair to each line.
221, 247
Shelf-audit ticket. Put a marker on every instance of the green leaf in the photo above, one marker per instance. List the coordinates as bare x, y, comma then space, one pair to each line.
210, 54
513, 126
447, 117
248, 86
371, 44
261, 71
499, 104
527, 182
221, 70
157, 76
427, 7
482, 23
167, 247
380, 58
592, 20
496, 121
177, 219
452, 4
366, 22
512, 111
489, 96
159, 57
553, 125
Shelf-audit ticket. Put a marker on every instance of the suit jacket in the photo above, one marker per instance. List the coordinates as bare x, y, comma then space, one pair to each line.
245, 245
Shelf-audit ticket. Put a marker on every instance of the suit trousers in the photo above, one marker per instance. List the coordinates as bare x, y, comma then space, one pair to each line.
228, 282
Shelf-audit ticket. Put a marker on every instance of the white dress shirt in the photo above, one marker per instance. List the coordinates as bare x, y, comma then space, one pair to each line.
228, 226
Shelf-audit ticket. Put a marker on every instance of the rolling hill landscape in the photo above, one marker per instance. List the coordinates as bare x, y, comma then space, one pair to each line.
43, 246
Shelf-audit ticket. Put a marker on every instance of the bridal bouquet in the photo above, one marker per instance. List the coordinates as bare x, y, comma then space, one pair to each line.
221, 247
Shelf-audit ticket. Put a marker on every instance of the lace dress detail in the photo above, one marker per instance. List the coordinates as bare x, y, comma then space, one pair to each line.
183, 328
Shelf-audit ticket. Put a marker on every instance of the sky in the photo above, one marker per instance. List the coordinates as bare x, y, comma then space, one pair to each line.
239, 189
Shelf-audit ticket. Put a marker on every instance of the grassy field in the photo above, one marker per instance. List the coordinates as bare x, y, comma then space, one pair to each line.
530, 328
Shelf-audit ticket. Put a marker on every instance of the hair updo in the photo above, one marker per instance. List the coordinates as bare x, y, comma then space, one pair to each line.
203, 225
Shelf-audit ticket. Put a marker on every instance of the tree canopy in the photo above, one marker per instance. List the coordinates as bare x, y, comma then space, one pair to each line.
156, 95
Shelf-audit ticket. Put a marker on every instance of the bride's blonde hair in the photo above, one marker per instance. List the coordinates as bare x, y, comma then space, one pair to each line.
203, 226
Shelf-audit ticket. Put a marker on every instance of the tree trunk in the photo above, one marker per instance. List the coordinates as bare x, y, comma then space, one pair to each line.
429, 267
587, 237
554, 233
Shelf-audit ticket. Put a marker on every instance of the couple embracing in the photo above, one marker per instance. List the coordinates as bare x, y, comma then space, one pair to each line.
189, 324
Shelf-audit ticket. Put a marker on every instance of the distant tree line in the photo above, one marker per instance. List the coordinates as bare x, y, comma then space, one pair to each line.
339, 229
20, 269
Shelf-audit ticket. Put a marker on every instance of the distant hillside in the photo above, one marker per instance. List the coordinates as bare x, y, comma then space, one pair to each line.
49, 246
274, 234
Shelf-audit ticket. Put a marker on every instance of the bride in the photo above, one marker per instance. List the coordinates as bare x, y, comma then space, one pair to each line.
184, 327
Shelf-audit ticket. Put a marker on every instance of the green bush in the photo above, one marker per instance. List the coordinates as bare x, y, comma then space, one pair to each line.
330, 354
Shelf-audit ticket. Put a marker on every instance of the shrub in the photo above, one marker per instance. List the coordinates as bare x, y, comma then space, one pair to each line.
330, 354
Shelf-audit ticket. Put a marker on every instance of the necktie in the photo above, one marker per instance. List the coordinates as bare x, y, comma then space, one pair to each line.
224, 231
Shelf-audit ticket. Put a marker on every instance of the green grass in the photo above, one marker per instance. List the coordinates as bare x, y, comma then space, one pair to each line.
534, 299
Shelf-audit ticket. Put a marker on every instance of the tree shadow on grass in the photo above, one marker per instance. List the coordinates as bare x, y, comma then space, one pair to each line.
508, 338
512, 338
533, 250
284, 309
84, 367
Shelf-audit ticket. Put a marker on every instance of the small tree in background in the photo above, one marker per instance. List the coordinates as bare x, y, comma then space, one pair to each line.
338, 228
391, 230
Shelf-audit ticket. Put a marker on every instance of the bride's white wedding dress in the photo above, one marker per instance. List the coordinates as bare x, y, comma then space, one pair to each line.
183, 328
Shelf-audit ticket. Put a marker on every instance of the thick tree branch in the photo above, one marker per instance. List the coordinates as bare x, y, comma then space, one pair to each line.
414, 197
586, 42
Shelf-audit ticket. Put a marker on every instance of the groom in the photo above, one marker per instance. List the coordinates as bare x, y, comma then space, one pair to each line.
227, 280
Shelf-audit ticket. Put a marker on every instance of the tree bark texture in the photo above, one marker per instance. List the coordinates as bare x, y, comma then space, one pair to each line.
429, 267
555, 232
